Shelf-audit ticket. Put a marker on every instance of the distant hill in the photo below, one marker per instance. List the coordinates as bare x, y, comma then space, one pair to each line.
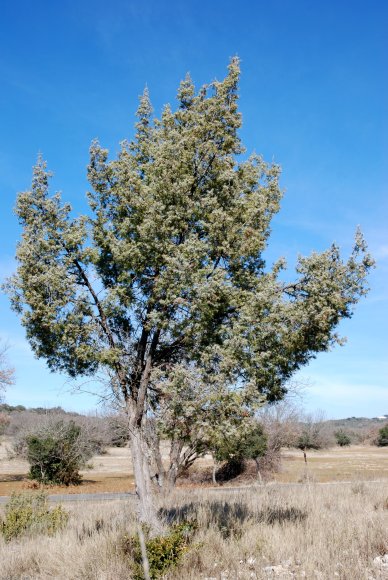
358, 422
5, 408
359, 429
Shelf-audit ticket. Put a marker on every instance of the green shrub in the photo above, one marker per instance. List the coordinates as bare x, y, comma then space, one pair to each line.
163, 552
56, 455
382, 439
249, 444
29, 514
342, 438
306, 441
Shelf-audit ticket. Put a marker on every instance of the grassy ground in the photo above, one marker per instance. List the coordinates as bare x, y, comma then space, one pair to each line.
308, 531
268, 531
112, 471
336, 464
108, 472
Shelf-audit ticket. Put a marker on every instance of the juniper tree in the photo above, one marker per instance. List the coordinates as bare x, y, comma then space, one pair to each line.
342, 438
166, 272
199, 417
247, 443
382, 440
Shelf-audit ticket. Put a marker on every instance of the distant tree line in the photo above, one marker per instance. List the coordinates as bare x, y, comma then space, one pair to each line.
5, 408
58, 444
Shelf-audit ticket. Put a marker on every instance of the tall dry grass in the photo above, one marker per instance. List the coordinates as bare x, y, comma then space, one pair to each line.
309, 531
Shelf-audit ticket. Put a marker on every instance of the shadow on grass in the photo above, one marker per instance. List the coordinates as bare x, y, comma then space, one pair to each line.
229, 517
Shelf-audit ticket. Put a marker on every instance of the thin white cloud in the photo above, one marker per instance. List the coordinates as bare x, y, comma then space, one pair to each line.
341, 398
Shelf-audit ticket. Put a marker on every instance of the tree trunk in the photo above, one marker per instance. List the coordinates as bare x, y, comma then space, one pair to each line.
158, 474
142, 456
144, 555
173, 470
147, 508
258, 473
215, 465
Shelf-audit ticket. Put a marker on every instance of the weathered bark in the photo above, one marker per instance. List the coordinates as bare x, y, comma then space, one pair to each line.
156, 463
147, 508
175, 460
141, 440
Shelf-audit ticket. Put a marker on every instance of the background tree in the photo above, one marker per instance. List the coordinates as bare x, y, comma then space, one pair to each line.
168, 269
56, 450
7, 373
342, 438
197, 418
247, 443
281, 424
117, 429
382, 439
254, 446
313, 434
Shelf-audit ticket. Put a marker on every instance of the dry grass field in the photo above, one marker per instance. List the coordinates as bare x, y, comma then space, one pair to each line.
112, 471
308, 531
337, 464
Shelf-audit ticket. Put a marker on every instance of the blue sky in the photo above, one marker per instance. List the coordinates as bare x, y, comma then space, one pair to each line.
313, 98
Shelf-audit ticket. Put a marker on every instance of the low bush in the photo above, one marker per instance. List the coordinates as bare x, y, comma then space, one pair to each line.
57, 452
382, 439
342, 438
53, 456
29, 514
163, 552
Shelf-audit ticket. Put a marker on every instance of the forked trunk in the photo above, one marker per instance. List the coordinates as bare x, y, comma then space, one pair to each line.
157, 470
147, 506
173, 470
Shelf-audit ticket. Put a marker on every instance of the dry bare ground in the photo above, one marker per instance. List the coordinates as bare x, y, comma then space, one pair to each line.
269, 531
358, 462
272, 531
112, 471
109, 472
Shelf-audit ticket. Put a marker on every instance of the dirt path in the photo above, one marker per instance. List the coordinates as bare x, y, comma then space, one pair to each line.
97, 497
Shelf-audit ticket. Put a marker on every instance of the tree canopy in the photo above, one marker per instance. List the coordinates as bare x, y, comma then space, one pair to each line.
165, 277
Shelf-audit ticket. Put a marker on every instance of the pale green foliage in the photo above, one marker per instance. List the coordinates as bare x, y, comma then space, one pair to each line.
167, 273
204, 416
163, 552
29, 514
251, 443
